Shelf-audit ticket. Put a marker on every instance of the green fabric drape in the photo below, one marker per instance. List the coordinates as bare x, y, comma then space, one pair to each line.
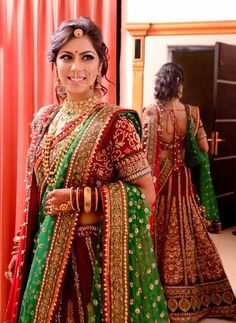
146, 298
194, 156
43, 239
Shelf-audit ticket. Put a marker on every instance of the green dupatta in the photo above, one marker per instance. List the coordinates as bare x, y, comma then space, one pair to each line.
44, 240
194, 156
137, 294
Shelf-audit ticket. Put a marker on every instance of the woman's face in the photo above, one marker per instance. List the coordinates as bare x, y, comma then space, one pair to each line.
77, 64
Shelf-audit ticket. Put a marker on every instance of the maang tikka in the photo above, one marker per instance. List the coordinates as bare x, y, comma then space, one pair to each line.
78, 33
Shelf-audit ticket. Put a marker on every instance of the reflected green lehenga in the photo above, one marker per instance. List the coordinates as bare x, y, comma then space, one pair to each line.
126, 285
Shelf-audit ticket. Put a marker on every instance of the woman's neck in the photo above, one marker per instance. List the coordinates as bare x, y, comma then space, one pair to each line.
71, 97
173, 104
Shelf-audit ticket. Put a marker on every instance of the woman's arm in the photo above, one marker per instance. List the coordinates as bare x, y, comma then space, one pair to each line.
147, 187
203, 144
201, 138
201, 135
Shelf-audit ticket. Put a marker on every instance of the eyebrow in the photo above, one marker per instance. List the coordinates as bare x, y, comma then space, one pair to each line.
82, 53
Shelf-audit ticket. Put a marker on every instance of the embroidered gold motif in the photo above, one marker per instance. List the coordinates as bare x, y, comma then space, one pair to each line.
70, 313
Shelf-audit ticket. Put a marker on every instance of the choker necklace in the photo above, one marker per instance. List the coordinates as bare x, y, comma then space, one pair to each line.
72, 109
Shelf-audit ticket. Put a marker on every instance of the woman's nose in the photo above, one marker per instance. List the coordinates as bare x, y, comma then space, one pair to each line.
76, 65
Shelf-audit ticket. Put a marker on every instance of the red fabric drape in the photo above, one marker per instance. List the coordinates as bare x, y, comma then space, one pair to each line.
26, 84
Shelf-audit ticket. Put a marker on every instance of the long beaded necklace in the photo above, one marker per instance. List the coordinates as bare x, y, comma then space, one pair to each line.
69, 112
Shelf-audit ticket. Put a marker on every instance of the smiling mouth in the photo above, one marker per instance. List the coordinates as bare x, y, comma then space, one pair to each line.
77, 79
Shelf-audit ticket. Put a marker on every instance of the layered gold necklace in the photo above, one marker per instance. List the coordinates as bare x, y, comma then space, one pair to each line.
69, 112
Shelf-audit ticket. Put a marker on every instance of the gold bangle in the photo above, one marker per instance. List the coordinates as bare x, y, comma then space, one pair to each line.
87, 199
96, 199
77, 198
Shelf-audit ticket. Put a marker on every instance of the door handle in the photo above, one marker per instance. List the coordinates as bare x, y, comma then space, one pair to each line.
217, 140
212, 141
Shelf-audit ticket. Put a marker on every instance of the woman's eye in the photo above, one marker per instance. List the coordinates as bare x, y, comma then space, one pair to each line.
66, 57
88, 57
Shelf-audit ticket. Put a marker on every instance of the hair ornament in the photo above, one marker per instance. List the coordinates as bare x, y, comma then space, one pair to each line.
78, 33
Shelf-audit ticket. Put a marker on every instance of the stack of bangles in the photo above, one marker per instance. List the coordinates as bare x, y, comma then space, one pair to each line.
85, 199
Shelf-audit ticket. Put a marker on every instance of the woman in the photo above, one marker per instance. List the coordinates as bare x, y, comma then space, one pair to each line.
84, 252
191, 272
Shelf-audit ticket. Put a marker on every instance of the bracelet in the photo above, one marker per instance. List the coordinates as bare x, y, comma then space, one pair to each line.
93, 198
77, 198
87, 199
96, 199
72, 198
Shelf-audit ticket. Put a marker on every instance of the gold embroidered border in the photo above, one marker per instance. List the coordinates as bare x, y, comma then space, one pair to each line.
150, 136
106, 255
88, 145
133, 167
166, 169
194, 302
116, 255
195, 115
55, 267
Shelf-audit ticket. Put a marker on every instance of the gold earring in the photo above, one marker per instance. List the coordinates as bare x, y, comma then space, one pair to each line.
180, 94
57, 84
98, 80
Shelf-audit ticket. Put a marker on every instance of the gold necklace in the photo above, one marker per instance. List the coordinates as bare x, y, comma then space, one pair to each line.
52, 171
53, 125
68, 113
71, 110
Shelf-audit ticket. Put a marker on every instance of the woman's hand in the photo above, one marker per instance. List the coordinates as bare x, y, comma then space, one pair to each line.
11, 268
58, 201
147, 187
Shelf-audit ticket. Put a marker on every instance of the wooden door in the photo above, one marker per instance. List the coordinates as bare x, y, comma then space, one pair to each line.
224, 144
210, 83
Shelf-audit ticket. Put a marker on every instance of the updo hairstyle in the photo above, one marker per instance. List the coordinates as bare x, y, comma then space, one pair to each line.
167, 82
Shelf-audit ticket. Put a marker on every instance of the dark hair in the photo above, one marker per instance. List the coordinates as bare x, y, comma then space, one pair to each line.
65, 32
167, 82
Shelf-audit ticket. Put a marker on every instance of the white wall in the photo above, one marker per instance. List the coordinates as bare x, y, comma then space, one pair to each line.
156, 46
179, 10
